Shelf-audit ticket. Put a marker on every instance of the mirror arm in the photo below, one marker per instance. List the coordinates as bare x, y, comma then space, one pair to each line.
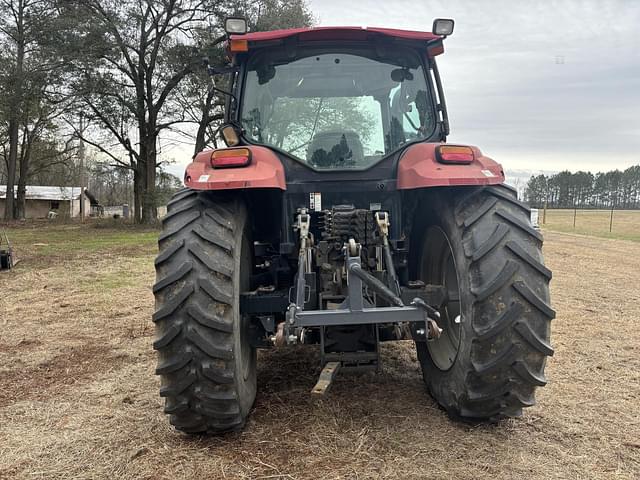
224, 92
221, 70
217, 70
219, 40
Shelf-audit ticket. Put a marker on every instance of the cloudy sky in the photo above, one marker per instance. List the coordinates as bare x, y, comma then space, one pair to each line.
537, 85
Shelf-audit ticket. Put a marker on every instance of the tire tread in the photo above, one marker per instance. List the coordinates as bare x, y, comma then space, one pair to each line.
508, 293
193, 317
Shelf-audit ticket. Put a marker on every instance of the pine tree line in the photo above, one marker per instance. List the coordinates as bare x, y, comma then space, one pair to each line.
613, 189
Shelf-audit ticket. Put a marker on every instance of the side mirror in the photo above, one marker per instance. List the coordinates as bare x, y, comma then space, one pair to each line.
230, 135
443, 26
235, 25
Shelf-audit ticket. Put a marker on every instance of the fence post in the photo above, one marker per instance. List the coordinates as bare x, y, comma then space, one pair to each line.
575, 210
611, 218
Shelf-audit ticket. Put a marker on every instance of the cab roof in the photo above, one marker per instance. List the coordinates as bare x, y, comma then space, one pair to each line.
336, 33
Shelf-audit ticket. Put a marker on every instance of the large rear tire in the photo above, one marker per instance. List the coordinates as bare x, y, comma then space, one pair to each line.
206, 364
491, 357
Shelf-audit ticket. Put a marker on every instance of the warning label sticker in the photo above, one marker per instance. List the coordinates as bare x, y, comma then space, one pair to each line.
315, 201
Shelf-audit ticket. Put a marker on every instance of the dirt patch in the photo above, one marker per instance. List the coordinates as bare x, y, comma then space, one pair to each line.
49, 378
24, 344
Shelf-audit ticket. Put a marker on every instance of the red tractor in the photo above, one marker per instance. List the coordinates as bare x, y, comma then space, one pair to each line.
338, 216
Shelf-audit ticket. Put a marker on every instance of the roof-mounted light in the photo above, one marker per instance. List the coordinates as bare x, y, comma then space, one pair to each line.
235, 25
443, 26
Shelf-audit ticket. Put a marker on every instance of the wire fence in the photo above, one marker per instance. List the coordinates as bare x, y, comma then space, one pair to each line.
607, 223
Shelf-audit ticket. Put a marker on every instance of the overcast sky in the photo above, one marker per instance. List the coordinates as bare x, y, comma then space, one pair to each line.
537, 85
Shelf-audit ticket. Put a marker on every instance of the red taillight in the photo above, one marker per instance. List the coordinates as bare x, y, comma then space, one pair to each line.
230, 157
454, 154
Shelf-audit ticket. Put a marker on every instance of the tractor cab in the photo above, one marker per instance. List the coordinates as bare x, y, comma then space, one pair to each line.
337, 98
337, 107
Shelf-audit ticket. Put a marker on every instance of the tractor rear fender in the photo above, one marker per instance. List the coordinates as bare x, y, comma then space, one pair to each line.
419, 168
264, 171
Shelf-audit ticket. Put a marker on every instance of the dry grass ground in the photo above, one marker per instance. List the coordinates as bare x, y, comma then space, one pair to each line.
625, 225
78, 398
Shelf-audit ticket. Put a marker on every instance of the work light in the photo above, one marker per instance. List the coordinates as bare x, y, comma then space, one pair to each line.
443, 26
235, 25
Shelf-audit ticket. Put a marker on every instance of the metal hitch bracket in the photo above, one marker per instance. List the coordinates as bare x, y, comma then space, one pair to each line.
355, 310
327, 375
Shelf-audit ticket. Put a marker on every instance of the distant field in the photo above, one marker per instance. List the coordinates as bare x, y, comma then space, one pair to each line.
626, 223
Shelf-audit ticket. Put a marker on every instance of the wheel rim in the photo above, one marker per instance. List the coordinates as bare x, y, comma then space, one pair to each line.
439, 267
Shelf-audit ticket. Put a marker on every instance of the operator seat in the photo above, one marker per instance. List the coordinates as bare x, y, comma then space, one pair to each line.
335, 148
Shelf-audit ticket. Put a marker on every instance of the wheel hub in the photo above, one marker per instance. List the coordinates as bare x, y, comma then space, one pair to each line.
438, 267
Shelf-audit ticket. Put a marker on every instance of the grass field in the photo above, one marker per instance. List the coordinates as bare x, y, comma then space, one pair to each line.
626, 223
78, 397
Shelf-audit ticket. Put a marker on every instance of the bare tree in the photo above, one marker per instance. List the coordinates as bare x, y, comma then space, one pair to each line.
28, 101
15, 28
135, 54
201, 103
